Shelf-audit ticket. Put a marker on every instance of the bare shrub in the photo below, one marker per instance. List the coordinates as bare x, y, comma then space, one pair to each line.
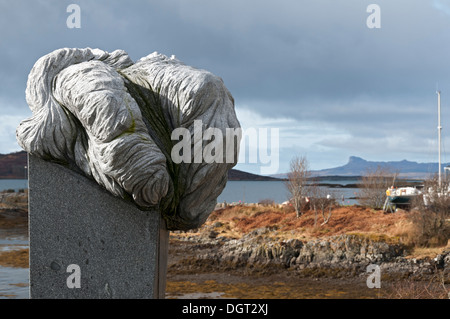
297, 183
437, 197
430, 227
434, 289
321, 201
374, 184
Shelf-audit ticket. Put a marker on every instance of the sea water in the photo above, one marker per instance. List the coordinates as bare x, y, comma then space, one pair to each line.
15, 184
14, 281
256, 191
243, 191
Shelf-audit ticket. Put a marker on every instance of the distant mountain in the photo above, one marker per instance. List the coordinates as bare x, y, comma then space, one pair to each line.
237, 175
357, 166
13, 165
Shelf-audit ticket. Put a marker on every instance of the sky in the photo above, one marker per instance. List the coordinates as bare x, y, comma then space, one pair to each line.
311, 70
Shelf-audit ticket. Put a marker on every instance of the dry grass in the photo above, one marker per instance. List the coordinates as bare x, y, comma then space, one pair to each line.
434, 289
344, 220
377, 225
15, 258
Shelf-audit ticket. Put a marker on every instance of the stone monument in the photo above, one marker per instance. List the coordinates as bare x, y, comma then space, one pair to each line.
109, 176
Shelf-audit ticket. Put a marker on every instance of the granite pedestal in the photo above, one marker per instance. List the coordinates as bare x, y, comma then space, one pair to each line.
120, 251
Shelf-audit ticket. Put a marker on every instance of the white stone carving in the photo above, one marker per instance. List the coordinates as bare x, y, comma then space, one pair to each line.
102, 115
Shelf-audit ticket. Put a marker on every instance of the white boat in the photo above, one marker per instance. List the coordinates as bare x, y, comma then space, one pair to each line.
400, 197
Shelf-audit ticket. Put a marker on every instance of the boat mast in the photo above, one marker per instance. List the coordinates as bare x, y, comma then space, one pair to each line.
439, 135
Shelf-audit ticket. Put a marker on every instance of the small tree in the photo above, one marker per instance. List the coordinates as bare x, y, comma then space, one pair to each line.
297, 183
321, 200
374, 185
429, 218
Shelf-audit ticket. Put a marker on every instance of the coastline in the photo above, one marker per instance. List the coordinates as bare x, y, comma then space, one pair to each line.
264, 251
260, 264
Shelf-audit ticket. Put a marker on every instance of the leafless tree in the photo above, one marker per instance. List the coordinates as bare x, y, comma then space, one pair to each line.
437, 196
435, 288
296, 183
321, 200
429, 218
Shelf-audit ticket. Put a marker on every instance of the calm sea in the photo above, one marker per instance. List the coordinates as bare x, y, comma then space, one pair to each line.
15, 184
255, 191
235, 191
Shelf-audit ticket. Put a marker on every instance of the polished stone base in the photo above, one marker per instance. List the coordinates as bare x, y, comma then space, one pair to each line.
82, 236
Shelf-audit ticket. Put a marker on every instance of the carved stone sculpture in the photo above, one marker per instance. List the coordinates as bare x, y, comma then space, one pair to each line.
110, 119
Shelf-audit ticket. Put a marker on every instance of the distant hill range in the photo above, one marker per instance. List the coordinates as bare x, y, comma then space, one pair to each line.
357, 166
12, 166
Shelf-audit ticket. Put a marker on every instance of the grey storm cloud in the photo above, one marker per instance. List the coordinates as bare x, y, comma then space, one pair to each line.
309, 60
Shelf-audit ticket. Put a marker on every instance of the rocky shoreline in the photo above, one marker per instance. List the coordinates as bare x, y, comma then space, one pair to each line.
336, 257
